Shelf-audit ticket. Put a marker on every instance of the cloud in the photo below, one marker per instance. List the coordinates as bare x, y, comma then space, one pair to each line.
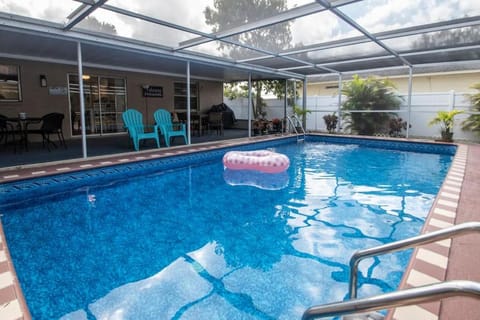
314, 28
393, 14
50, 10
471, 7
188, 14
375, 16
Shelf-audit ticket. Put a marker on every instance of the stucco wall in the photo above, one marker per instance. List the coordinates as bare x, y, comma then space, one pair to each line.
459, 82
36, 100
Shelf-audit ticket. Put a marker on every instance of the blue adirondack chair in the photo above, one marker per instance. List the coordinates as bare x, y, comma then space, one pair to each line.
133, 121
163, 119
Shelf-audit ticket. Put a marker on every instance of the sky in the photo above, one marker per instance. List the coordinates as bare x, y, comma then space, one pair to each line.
373, 15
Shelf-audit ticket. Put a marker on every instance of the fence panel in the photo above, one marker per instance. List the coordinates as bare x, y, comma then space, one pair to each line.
424, 107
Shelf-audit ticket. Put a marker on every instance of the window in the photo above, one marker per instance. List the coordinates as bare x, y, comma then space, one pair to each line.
9, 83
180, 96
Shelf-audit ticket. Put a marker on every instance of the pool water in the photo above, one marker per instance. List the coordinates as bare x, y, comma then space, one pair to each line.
201, 243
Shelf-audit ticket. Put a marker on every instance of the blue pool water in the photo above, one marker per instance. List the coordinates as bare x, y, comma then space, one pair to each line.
197, 242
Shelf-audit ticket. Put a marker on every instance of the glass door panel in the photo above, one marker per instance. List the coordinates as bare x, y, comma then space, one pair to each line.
105, 100
113, 103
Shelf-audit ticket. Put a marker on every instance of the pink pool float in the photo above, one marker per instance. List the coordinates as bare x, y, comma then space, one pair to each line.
260, 160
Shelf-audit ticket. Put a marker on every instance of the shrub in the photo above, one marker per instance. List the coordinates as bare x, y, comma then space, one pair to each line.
472, 123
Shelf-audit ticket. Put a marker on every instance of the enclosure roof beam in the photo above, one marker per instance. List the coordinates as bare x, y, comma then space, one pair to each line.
358, 27
281, 17
205, 35
284, 16
403, 32
54, 30
81, 13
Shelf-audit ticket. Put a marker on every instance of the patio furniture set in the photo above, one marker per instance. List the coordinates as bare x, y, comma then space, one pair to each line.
165, 126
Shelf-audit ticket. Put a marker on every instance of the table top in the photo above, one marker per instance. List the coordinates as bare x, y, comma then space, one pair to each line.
27, 119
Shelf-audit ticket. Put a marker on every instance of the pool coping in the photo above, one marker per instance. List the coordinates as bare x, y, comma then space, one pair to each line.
12, 302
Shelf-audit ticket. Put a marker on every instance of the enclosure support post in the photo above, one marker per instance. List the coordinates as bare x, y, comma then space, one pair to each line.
409, 99
452, 100
249, 105
285, 100
294, 92
339, 127
82, 100
188, 104
304, 100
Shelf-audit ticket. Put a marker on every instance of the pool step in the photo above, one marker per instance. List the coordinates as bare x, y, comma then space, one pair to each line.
365, 316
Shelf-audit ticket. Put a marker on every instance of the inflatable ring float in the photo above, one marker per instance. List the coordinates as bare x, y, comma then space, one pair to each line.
260, 160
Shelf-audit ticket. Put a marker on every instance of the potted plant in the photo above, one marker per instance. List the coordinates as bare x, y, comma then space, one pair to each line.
276, 124
446, 121
331, 121
300, 113
396, 126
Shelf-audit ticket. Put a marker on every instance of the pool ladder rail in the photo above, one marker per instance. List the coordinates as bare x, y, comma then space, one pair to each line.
398, 298
297, 125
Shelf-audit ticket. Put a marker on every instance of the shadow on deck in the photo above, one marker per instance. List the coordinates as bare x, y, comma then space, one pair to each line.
96, 146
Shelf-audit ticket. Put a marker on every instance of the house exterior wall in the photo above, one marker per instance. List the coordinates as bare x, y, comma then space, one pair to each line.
36, 100
435, 82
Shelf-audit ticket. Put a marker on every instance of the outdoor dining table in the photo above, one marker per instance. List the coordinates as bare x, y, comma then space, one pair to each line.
22, 123
198, 121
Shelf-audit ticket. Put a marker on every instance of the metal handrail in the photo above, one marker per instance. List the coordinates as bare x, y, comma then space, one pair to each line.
395, 299
434, 236
290, 120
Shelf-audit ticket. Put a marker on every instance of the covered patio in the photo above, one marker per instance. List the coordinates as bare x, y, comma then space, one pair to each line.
97, 146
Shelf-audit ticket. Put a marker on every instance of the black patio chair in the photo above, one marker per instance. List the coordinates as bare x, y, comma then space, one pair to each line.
215, 122
7, 132
50, 124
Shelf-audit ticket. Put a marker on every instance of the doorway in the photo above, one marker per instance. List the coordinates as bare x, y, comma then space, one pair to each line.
105, 101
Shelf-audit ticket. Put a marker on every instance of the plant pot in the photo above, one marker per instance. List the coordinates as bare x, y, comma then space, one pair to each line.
447, 136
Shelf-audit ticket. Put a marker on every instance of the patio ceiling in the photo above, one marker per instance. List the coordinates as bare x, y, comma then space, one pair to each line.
319, 37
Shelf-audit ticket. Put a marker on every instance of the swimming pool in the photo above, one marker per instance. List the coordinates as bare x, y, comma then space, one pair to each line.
183, 243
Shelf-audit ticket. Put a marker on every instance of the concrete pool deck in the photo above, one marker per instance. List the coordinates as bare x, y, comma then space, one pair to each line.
456, 202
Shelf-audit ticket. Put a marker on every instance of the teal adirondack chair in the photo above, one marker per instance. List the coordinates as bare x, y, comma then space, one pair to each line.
163, 120
133, 121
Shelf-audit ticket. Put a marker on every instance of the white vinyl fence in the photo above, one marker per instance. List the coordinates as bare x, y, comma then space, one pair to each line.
424, 107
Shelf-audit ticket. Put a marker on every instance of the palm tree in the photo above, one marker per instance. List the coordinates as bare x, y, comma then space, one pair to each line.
369, 94
472, 123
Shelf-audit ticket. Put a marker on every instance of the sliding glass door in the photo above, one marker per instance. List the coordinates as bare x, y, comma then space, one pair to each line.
105, 100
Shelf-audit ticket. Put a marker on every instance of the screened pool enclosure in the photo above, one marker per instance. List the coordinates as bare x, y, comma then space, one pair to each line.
240, 41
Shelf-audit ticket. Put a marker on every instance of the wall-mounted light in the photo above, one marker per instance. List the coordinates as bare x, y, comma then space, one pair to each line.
43, 80
85, 77
145, 88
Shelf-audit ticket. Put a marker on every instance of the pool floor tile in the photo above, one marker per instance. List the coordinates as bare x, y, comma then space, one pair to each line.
432, 257
440, 224
11, 311
7, 295
445, 213
417, 279
413, 313
6, 279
